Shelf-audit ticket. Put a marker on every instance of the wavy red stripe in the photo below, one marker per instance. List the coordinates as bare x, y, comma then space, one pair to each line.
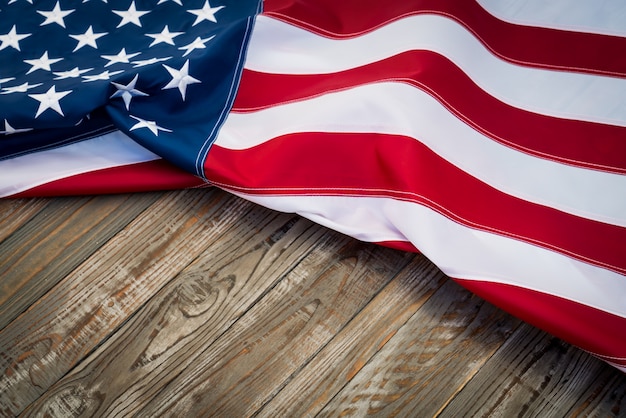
140, 177
584, 144
527, 45
594, 330
403, 168
399, 245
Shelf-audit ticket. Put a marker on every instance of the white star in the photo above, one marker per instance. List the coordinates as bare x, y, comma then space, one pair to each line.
88, 38
42, 63
179, 2
198, 43
206, 13
12, 39
55, 15
73, 73
131, 15
127, 92
49, 100
121, 57
8, 129
165, 36
13, 1
154, 128
4, 80
105, 75
142, 63
180, 79
22, 88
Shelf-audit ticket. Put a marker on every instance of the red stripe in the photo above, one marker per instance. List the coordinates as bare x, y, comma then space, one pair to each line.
596, 331
403, 168
399, 245
140, 177
580, 143
528, 45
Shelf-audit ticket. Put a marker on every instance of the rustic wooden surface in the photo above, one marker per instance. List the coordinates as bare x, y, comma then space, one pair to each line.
197, 303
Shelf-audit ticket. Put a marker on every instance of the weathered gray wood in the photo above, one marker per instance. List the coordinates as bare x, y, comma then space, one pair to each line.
245, 367
428, 360
199, 303
55, 241
606, 397
49, 339
312, 387
184, 318
534, 374
15, 212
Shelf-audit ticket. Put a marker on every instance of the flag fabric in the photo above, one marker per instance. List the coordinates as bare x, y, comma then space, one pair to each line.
152, 70
489, 135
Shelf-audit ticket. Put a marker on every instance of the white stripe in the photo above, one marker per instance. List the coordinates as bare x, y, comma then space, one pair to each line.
398, 108
106, 151
277, 47
460, 251
594, 16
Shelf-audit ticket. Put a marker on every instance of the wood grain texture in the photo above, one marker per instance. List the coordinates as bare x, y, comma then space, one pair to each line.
183, 319
55, 241
247, 365
95, 298
197, 303
338, 362
15, 212
429, 360
535, 374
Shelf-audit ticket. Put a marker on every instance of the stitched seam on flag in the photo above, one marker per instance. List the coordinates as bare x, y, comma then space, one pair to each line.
529, 63
63, 142
605, 357
615, 361
232, 93
244, 110
459, 114
200, 186
520, 284
535, 19
64, 176
419, 199
529, 151
332, 35
601, 356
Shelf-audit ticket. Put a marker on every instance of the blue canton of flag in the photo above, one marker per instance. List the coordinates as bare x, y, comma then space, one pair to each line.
165, 72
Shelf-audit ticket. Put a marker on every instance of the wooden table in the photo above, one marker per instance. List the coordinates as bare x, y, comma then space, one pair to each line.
198, 303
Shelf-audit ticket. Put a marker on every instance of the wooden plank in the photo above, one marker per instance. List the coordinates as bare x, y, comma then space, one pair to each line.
321, 286
184, 318
49, 339
19, 258
15, 212
606, 397
244, 368
55, 241
271, 316
428, 360
536, 372
353, 347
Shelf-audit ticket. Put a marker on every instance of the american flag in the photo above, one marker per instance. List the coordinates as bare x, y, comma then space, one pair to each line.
490, 135
163, 73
